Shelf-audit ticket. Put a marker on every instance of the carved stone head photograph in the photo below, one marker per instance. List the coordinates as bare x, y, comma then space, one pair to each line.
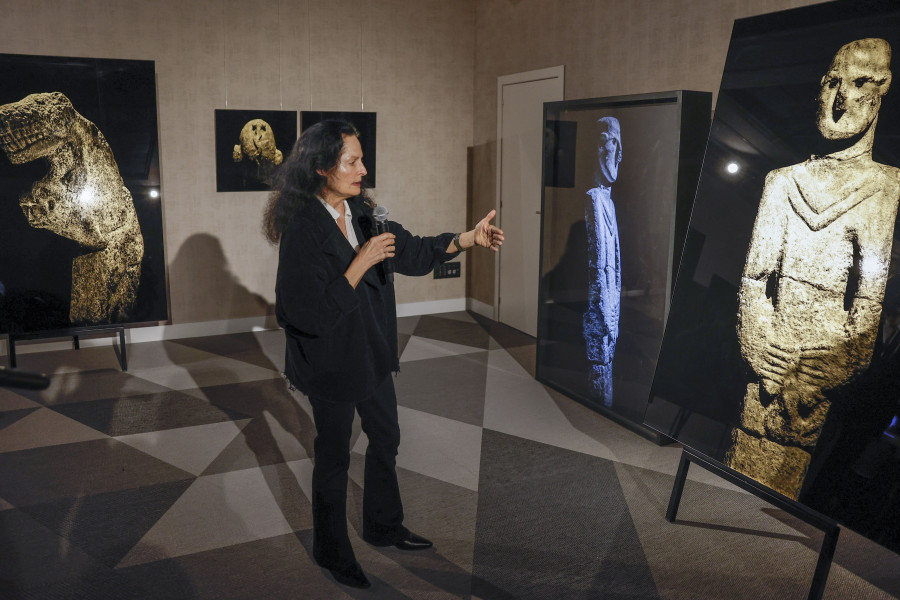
250, 145
851, 91
80, 194
83, 198
257, 144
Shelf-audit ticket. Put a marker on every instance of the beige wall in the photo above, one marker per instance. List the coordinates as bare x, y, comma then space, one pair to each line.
429, 69
608, 47
411, 61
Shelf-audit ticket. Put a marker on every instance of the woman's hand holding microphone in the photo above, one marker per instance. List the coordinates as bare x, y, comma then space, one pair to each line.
370, 254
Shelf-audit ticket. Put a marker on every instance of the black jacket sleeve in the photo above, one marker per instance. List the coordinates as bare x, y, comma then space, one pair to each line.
416, 255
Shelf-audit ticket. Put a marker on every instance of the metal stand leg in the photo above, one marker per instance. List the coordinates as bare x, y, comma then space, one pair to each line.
11, 342
123, 359
817, 520
75, 334
678, 488
823, 566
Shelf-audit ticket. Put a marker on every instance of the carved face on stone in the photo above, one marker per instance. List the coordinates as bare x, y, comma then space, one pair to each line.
609, 151
82, 197
850, 96
34, 126
258, 141
70, 199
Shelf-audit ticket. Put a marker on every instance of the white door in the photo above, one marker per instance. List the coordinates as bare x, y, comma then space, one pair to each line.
520, 125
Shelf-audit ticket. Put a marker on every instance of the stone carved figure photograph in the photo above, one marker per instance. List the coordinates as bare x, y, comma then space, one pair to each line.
250, 146
815, 276
601, 319
80, 198
257, 145
779, 358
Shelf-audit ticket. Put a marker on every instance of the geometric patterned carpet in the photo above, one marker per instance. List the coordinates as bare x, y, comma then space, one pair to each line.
188, 476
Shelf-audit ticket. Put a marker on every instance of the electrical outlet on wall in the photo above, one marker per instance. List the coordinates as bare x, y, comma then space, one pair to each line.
448, 270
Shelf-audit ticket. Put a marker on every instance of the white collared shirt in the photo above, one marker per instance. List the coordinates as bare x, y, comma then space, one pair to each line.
348, 219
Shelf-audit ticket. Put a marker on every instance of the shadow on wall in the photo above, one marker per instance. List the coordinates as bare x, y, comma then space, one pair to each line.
208, 290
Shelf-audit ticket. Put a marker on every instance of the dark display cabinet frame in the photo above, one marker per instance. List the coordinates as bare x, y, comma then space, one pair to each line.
661, 137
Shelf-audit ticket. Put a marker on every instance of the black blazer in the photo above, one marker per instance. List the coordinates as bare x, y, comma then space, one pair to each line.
341, 342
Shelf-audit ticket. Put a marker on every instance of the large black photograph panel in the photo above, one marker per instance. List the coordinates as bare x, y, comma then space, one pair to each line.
780, 352
611, 179
82, 241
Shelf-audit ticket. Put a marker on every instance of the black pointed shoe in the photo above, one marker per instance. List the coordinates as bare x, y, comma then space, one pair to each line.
352, 576
413, 542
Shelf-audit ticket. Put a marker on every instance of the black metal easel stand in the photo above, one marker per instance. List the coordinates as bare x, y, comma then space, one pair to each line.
829, 527
74, 334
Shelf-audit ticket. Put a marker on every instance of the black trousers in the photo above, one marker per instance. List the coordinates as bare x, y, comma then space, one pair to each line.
382, 508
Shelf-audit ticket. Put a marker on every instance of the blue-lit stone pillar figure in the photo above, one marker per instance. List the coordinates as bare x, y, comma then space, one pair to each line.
601, 320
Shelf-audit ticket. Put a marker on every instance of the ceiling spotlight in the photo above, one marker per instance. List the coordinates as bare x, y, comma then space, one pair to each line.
732, 168
154, 194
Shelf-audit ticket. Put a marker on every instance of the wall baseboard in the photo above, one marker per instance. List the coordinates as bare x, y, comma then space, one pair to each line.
135, 335
430, 307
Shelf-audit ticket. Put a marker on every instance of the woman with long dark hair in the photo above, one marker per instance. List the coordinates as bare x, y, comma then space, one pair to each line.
335, 300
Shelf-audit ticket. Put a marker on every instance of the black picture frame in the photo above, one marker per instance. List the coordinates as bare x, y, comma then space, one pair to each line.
365, 122
36, 264
765, 120
240, 171
662, 139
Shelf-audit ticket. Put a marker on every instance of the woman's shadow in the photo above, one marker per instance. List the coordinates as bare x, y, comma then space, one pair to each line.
280, 431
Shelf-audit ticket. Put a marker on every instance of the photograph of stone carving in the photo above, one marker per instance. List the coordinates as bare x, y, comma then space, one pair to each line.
780, 356
82, 198
257, 144
611, 230
250, 145
601, 319
812, 287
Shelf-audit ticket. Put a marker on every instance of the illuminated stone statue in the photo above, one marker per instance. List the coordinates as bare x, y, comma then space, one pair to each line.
812, 287
258, 145
82, 198
601, 320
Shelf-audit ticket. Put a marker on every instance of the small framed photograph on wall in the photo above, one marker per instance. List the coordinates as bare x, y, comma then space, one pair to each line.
250, 144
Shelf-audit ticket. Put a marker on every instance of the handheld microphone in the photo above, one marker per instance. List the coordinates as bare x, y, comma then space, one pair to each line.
381, 215
23, 379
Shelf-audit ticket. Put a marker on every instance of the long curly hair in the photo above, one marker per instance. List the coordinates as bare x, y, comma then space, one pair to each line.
297, 181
